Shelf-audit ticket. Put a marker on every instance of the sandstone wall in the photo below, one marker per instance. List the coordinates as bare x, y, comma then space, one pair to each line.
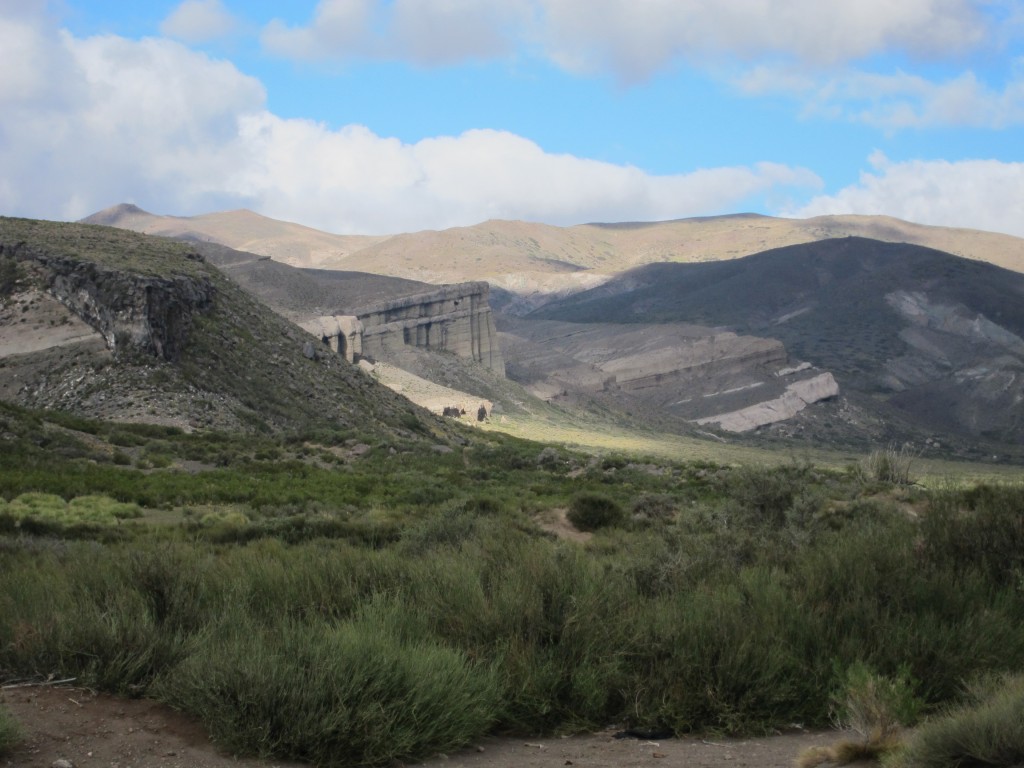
452, 318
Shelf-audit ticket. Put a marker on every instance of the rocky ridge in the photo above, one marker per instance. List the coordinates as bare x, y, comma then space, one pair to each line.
170, 340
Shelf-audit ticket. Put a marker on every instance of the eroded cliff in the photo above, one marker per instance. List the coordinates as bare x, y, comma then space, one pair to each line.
451, 318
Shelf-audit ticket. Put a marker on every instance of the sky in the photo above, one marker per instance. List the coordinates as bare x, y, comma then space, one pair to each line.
386, 116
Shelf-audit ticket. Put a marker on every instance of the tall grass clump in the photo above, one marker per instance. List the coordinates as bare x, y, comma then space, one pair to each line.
889, 465
876, 709
10, 733
343, 694
987, 730
80, 609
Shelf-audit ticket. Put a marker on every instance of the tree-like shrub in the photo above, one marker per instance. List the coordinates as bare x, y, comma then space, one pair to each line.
593, 511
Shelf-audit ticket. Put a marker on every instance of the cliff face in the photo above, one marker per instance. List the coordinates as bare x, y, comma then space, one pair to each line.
114, 325
453, 318
131, 311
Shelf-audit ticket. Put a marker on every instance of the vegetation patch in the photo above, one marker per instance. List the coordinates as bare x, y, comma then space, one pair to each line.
10, 733
988, 729
406, 599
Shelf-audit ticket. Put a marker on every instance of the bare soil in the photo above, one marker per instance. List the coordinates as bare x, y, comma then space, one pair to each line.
91, 730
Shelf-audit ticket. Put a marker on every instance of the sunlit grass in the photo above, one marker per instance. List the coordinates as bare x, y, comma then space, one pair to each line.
604, 437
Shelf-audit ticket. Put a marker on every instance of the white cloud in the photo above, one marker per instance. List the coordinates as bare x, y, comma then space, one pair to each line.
87, 123
198, 21
634, 39
434, 33
448, 31
353, 180
895, 101
977, 194
340, 29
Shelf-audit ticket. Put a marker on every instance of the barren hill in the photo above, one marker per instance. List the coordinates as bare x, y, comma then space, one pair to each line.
531, 259
242, 230
919, 337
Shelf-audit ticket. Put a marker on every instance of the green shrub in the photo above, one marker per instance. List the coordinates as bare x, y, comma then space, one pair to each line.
981, 528
10, 733
875, 707
352, 694
988, 731
593, 511
891, 466
92, 509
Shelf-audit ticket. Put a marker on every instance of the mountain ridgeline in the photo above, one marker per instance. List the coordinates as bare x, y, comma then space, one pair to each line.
837, 331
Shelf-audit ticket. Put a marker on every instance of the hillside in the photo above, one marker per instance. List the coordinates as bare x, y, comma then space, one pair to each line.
112, 324
531, 260
920, 336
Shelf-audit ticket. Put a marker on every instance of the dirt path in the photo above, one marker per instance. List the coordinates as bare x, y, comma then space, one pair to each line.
98, 731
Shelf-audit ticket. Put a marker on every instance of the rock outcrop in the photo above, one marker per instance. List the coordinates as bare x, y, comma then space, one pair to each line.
797, 396
452, 318
132, 311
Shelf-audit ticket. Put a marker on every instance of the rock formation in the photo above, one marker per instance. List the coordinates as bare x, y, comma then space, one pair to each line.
797, 396
452, 318
131, 310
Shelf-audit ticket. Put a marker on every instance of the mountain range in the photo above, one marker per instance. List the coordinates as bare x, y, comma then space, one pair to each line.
844, 331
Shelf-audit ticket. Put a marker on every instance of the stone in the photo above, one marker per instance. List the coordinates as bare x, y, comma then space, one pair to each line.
452, 318
796, 397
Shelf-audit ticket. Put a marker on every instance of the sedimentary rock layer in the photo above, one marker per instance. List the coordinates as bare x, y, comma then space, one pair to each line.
452, 318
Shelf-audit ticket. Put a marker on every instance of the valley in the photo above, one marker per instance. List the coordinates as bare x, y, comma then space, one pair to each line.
839, 332
206, 506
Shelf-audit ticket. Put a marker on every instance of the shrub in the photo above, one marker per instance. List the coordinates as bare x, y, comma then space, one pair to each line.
980, 528
335, 696
875, 707
10, 733
653, 509
761, 496
890, 465
987, 731
593, 511
83, 510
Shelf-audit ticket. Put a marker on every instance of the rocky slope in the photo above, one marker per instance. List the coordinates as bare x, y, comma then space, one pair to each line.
112, 324
918, 347
932, 343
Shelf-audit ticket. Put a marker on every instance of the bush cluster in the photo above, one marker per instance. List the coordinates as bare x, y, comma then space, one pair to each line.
396, 604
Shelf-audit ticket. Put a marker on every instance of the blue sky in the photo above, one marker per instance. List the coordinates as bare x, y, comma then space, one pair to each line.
357, 116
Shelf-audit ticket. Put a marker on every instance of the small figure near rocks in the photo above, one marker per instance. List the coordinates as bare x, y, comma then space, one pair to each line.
481, 413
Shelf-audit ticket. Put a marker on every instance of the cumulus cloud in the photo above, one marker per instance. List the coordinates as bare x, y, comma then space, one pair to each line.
353, 180
453, 30
977, 194
86, 123
199, 21
629, 39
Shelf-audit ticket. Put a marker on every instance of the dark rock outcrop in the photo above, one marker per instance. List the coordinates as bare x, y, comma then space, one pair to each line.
133, 312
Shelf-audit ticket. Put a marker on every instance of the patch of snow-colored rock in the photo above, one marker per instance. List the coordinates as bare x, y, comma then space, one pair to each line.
797, 396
